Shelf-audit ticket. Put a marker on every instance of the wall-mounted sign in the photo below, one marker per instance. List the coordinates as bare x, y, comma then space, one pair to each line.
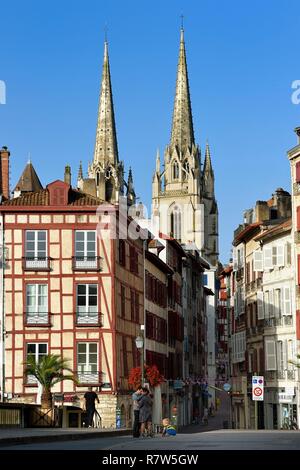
257, 388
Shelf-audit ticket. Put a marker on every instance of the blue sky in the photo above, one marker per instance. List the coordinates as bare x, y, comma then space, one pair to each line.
242, 60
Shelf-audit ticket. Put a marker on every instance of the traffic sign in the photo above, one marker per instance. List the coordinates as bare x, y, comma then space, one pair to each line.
226, 387
257, 388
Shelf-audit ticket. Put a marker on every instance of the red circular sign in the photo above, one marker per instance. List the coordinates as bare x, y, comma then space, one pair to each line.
257, 392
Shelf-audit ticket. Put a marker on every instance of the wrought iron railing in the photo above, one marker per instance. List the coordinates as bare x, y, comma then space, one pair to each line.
86, 263
92, 377
37, 318
89, 318
36, 263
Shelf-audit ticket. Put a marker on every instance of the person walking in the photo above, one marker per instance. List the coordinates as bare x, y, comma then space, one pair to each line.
136, 397
90, 408
205, 416
145, 418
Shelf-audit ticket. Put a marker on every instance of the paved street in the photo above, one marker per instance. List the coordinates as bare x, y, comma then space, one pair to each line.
212, 440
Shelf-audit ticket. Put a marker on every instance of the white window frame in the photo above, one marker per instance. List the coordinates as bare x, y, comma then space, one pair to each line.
87, 313
88, 372
37, 314
31, 379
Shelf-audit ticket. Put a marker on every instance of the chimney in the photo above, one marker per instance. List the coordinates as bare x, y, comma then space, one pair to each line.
4, 172
297, 130
67, 177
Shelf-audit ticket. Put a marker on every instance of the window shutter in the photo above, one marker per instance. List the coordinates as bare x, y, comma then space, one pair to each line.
258, 261
280, 255
271, 304
125, 358
298, 172
261, 361
137, 307
288, 254
284, 353
298, 324
132, 304
260, 305
298, 218
234, 255
287, 301
270, 355
268, 258
298, 270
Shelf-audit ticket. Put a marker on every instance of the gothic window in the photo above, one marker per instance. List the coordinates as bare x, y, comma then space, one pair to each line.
108, 173
186, 168
175, 171
175, 223
98, 178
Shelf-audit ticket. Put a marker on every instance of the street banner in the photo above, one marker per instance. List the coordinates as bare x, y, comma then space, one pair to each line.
257, 388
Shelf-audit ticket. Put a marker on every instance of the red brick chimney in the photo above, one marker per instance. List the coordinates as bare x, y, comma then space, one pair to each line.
4, 172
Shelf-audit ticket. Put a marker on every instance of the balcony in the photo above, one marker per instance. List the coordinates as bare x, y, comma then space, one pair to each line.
85, 378
37, 319
86, 263
87, 318
37, 263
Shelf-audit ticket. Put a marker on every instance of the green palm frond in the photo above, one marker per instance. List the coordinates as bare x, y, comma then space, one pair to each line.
50, 370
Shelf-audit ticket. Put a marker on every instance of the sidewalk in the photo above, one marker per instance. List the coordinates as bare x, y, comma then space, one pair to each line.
29, 435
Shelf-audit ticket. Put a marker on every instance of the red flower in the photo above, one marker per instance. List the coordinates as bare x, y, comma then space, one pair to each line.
151, 373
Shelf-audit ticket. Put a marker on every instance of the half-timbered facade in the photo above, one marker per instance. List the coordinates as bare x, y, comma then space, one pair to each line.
72, 292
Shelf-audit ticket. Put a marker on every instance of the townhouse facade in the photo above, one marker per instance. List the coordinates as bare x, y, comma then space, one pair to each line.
264, 305
70, 292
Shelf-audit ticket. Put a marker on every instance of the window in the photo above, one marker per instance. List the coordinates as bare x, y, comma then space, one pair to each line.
87, 304
122, 252
132, 304
87, 363
175, 223
134, 265
36, 249
277, 303
281, 356
260, 305
137, 307
186, 169
175, 171
287, 301
123, 301
85, 250
270, 355
37, 304
288, 253
38, 351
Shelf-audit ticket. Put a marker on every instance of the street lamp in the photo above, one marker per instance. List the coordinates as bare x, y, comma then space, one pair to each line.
139, 341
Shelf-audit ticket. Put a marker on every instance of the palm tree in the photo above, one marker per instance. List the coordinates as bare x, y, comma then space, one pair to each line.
48, 371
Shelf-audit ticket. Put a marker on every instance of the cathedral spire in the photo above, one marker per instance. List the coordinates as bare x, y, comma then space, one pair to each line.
106, 148
182, 127
207, 161
130, 189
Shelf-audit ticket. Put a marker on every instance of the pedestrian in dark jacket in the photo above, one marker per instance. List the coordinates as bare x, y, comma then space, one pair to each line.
136, 397
90, 398
145, 405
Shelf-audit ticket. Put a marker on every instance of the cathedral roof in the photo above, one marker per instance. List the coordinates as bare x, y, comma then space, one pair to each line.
29, 180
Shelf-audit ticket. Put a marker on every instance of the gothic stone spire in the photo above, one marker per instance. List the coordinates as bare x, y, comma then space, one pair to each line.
106, 147
182, 128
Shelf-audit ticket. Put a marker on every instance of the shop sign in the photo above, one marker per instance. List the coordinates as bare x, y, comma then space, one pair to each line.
284, 398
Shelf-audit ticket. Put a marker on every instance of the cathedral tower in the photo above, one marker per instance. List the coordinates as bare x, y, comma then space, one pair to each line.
179, 192
106, 172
